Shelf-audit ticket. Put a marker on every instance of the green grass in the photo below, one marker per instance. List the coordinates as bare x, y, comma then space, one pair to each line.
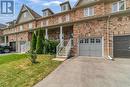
11, 57
19, 72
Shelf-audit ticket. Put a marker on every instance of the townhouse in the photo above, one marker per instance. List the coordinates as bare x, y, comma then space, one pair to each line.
2, 26
94, 28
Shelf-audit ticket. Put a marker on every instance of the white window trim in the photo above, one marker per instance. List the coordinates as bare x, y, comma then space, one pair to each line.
47, 22
21, 28
60, 20
30, 25
25, 14
67, 17
45, 14
66, 7
41, 23
118, 6
88, 11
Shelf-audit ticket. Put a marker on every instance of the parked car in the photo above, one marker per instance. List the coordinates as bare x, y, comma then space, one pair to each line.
4, 49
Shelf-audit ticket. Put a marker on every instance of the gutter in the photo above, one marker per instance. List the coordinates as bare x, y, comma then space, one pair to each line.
108, 36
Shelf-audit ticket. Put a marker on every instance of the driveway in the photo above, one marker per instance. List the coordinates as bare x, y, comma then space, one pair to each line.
89, 72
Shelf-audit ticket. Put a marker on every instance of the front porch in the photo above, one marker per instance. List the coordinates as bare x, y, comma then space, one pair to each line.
64, 35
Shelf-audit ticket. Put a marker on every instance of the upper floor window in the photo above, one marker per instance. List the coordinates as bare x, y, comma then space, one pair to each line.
30, 26
47, 22
25, 14
118, 6
60, 20
89, 11
21, 28
45, 13
64, 7
67, 18
41, 23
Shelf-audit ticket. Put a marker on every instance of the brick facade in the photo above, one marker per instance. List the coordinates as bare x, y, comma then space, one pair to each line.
103, 24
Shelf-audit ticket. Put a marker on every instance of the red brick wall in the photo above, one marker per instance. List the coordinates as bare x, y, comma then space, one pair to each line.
0, 36
18, 37
95, 28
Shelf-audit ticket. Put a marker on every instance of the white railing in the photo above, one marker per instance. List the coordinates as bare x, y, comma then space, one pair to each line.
59, 47
64, 51
68, 48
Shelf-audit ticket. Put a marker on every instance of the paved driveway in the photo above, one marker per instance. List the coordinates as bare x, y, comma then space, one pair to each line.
89, 72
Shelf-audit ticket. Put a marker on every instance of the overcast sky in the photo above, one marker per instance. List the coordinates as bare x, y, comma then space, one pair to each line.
36, 5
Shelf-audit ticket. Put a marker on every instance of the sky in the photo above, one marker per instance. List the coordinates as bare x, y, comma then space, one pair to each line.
36, 5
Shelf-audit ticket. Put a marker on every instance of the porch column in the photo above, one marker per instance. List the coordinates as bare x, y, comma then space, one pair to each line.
61, 34
5, 40
35, 32
46, 36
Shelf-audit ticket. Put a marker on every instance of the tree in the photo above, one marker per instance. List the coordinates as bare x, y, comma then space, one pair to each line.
33, 42
39, 44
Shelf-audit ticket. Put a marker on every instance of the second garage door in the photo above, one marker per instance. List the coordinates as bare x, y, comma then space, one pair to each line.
122, 46
90, 47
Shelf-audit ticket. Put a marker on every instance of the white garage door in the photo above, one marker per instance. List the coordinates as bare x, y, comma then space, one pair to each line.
22, 47
90, 47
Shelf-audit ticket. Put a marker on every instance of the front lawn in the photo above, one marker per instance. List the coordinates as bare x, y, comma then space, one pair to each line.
17, 71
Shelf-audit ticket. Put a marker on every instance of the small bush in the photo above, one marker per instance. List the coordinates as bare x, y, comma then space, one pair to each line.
32, 56
52, 47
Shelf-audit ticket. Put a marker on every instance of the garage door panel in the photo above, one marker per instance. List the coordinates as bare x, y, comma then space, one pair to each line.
121, 46
92, 47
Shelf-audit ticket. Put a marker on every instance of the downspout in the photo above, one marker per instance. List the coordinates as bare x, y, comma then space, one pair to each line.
108, 36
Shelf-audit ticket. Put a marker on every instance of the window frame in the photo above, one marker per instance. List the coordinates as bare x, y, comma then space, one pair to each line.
30, 25
64, 7
87, 11
118, 6
67, 17
21, 27
25, 14
45, 13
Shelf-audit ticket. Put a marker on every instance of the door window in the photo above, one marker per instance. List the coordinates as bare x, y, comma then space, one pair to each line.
98, 40
92, 40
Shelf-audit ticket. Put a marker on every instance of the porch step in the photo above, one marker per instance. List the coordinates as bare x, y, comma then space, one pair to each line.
59, 59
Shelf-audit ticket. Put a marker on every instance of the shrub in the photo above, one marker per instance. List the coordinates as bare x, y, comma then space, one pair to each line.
32, 56
33, 42
46, 46
39, 44
52, 47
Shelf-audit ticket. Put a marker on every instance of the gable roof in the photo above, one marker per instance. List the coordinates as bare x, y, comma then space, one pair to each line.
2, 26
77, 3
48, 9
32, 13
66, 2
85, 2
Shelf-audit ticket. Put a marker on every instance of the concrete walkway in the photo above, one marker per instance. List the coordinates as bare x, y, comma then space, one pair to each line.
89, 72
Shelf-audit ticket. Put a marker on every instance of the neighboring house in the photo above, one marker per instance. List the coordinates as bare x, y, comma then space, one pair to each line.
99, 28
2, 26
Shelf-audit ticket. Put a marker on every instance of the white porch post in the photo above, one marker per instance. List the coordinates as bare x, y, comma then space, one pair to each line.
46, 36
5, 40
35, 32
61, 34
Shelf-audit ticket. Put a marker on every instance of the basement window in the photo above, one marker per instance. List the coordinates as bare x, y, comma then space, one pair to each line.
118, 6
